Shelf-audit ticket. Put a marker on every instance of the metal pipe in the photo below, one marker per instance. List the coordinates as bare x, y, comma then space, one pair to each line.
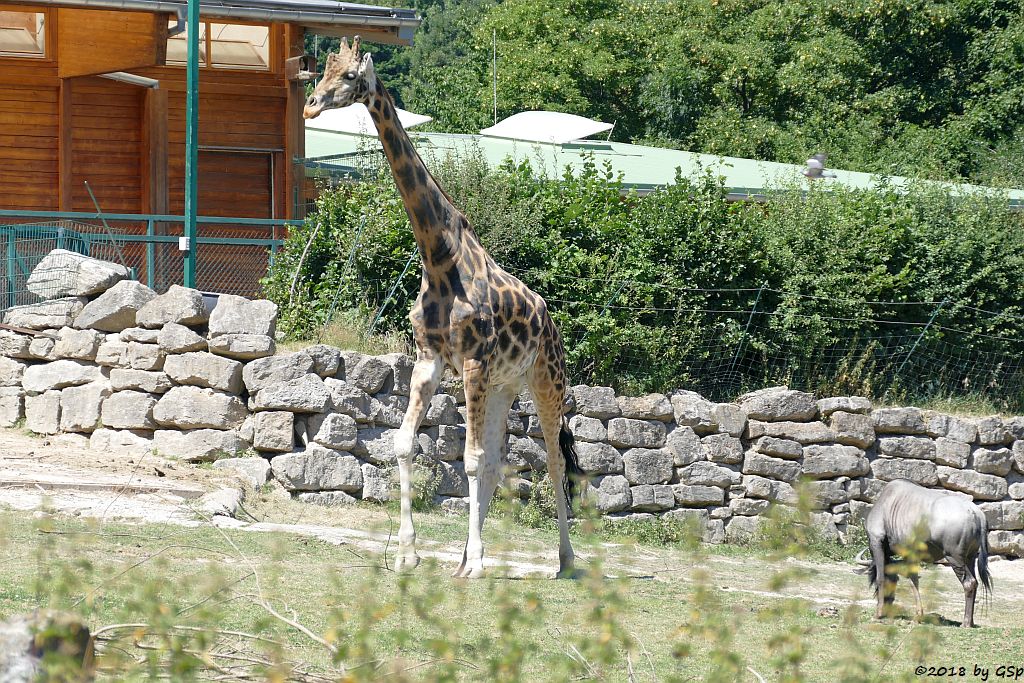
359, 14
179, 27
132, 79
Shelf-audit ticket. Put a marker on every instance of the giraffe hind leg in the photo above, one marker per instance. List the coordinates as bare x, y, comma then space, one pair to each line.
549, 402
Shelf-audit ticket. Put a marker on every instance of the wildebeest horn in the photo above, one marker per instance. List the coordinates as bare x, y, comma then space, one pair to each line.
860, 558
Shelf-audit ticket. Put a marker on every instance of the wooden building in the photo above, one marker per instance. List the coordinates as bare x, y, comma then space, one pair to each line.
94, 90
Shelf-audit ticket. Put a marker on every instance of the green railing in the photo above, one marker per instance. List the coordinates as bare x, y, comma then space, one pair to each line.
232, 254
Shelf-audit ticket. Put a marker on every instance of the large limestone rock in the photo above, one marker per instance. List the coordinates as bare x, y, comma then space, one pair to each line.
951, 453
919, 447
14, 345
178, 305
647, 466
852, 429
11, 372
692, 410
709, 474
327, 362
264, 372
649, 407
274, 431
143, 356
778, 448
598, 402
44, 315
899, 421
368, 373
175, 338
77, 344
58, 375
922, 472
253, 471
12, 406
238, 315
66, 273
585, 428
80, 406
767, 466
139, 334
203, 369
349, 400
129, 410
243, 346
1008, 514
991, 461
954, 428
598, 458
306, 394
801, 432
825, 462
376, 484
684, 445
42, 413
847, 404
722, 448
318, 469
140, 380
334, 430
40, 348
992, 431
376, 444
980, 486
197, 444
628, 433
443, 410
652, 498
1009, 543
778, 404
613, 494
199, 408
698, 495
115, 309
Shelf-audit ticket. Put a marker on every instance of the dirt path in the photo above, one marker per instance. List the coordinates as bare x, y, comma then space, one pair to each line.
70, 480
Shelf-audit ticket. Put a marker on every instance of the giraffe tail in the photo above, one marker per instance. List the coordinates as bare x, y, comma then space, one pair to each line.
573, 472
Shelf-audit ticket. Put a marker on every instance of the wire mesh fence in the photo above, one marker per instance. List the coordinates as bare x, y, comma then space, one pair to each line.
643, 336
232, 256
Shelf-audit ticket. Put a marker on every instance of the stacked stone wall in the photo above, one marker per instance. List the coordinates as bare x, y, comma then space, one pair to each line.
109, 364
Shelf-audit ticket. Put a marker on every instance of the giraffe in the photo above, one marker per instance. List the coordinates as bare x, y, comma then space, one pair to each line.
470, 315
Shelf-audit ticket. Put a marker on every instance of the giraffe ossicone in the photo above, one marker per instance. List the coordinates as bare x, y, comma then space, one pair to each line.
470, 315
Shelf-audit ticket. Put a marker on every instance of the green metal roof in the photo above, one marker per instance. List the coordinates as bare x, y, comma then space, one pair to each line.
642, 168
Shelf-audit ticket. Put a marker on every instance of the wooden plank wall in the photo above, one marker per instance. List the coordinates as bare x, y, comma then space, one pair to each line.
29, 129
106, 145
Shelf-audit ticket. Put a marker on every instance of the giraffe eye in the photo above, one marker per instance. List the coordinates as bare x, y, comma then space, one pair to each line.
350, 76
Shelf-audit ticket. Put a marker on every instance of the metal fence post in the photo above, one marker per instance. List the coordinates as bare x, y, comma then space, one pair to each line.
11, 272
150, 253
921, 336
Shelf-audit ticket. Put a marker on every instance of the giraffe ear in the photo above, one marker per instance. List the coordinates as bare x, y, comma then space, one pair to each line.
366, 65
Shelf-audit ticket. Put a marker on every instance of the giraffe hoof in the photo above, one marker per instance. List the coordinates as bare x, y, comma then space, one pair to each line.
570, 573
406, 562
469, 573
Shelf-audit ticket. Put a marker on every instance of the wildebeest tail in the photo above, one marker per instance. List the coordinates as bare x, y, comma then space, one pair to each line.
573, 473
986, 578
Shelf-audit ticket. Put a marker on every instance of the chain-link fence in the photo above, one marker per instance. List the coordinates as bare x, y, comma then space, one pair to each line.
232, 255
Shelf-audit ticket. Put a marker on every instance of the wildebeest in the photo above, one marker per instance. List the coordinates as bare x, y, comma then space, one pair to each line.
947, 524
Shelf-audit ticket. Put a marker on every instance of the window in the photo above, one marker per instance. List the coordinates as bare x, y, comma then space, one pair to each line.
225, 46
22, 34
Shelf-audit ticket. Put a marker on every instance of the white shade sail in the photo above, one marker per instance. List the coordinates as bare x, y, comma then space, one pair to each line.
546, 126
355, 119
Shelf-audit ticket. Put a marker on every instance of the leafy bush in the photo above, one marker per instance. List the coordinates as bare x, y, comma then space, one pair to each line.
840, 290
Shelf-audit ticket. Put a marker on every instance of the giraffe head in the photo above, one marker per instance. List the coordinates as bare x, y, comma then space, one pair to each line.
348, 78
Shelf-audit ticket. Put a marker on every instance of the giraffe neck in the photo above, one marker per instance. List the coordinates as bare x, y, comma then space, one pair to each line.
439, 228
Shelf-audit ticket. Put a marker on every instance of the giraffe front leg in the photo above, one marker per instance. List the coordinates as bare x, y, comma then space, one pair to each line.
474, 377
425, 376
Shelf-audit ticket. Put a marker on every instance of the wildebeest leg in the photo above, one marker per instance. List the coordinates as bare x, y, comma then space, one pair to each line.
966, 575
885, 585
915, 577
